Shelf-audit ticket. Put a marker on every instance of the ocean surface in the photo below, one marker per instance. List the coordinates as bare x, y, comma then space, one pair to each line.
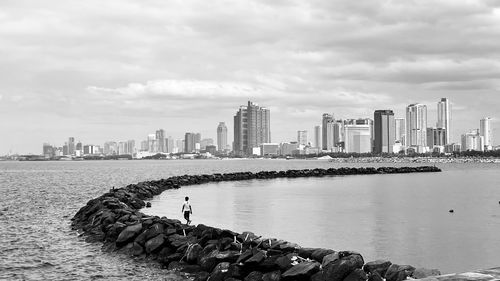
404, 218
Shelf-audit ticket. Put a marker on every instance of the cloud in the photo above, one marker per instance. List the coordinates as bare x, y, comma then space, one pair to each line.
150, 62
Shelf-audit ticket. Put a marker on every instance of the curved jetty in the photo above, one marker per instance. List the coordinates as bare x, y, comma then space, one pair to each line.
219, 254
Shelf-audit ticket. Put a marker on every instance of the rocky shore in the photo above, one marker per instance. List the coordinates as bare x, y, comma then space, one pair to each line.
209, 253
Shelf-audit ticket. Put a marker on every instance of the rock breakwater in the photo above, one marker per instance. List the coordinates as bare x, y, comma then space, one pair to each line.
216, 254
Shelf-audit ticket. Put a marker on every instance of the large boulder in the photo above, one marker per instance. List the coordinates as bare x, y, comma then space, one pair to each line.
254, 276
301, 271
208, 261
129, 233
220, 272
193, 252
341, 268
272, 276
330, 258
379, 266
256, 258
154, 230
399, 272
357, 275
155, 243
163, 255
319, 254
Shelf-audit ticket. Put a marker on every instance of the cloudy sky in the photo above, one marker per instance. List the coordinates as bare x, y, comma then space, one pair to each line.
119, 69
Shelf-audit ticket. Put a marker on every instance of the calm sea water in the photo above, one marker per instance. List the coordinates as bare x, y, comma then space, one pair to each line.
403, 218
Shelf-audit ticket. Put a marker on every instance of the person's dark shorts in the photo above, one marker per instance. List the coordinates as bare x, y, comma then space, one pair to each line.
186, 215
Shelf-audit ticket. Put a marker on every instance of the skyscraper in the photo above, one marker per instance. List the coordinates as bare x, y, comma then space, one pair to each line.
302, 137
472, 141
338, 135
252, 127
384, 131
71, 146
485, 132
416, 126
400, 130
443, 118
192, 142
221, 136
327, 131
317, 136
160, 140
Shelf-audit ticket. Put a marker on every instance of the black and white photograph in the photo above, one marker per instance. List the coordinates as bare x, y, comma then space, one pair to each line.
252, 140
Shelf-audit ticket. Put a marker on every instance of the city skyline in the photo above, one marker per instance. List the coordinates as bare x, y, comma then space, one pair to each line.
331, 128
72, 70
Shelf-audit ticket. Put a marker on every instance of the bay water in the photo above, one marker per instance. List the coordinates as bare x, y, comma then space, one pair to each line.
403, 217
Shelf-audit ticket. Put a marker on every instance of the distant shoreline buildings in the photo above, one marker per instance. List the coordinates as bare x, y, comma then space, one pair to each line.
384, 134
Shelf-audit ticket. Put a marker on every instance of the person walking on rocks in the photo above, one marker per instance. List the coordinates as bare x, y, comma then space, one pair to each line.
187, 210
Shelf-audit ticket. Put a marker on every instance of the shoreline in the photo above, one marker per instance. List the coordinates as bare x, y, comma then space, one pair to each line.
115, 220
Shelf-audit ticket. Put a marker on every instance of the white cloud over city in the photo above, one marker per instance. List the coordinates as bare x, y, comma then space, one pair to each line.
117, 70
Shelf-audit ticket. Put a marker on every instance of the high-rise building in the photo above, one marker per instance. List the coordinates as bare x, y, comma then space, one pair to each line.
190, 142
252, 127
71, 146
327, 131
358, 138
384, 131
338, 135
485, 131
472, 141
317, 136
400, 130
436, 137
444, 117
302, 137
160, 141
48, 150
416, 126
221, 136
152, 143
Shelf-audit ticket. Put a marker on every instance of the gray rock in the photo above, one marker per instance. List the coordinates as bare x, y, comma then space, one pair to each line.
341, 268
319, 254
357, 275
379, 266
254, 276
220, 272
128, 233
155, 243
193, 252
330, 258
272, 276
301, 271
154, 230
399, 272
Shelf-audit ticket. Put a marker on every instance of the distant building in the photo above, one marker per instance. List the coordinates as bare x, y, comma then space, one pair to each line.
252, 127
384, 131
71, 146
416, 126
472, 141
327, 131
90, 149
317, 136
48, 150
302, 137
221, 136
452, 147
160, 141
358, 138
287, 148
338, 135
190, 142
269, 149
212, 149
486, 133
400, 130
111, 148
444, 118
